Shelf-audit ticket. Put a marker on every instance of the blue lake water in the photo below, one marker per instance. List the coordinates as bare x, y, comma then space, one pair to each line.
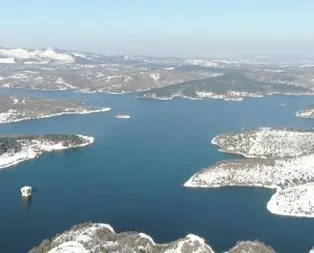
132, 176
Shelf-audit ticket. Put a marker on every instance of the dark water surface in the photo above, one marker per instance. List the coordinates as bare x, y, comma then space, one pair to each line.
132, 176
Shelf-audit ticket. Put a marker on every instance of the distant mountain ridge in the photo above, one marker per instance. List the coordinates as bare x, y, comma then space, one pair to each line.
153, 77
230, 85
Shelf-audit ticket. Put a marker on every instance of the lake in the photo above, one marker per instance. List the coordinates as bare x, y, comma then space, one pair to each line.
132, 176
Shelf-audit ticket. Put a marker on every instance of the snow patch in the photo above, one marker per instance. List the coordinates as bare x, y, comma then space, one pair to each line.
155, 76
307, 66
7, 60
52, 55
202, 63
147, 237
69, 247
18, 53
48, 54
107, 226
63, 85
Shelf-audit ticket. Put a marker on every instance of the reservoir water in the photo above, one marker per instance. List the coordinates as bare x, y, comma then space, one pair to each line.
132, 176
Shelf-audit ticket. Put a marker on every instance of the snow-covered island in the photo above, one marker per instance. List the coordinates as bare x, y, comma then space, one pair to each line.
96, 237
14, 150
13, 109
122, 116
281, 159
307, 113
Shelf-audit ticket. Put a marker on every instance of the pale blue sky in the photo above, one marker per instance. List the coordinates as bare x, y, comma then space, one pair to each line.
177, 27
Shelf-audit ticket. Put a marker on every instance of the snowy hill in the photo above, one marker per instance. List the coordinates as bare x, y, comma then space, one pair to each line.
96, 237
49, 54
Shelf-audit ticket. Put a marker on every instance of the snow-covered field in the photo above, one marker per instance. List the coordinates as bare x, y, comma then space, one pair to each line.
34, 148
96, 237
284, 160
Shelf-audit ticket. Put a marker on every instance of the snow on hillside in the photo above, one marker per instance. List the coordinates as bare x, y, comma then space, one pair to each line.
297, 200
267, 142
90, 238
155, 76
52, 55
202, 63
82, 55
284, 160
7, 60
18, 53
97, 237
43, 54
307, 66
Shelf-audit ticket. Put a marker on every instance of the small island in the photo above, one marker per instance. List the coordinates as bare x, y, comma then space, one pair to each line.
14, 150
13, 109
122, 116
96, 237
281, 159
307, 113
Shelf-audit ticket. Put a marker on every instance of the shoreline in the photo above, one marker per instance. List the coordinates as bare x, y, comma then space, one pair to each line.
235, 152
270, 205
188, 184
105, 109
223, 97
273, 205
272, 208
75, 90
29, 153
294, 198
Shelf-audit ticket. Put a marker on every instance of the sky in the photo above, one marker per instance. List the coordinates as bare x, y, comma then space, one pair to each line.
162, 27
